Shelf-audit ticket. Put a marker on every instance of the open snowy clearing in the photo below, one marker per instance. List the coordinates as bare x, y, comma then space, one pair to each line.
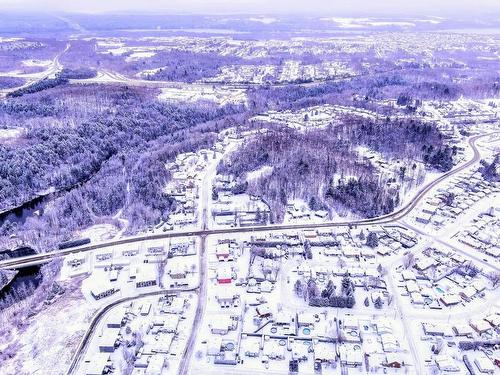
218, 95
48, 346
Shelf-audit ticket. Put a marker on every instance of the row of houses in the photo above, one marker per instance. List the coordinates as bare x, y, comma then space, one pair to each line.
462, 193
483, 233
476, 326
183, 187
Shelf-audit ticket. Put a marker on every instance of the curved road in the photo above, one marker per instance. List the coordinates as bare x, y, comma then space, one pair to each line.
385, 219
203, 232
82, 347
110, 77
52, 70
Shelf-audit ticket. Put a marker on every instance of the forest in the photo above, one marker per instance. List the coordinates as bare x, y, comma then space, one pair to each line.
322, 166
44, 84
186, 66
10, 82
106, 147
407, 83
61, 78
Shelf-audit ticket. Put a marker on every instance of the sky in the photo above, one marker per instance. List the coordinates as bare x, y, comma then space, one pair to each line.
331, 7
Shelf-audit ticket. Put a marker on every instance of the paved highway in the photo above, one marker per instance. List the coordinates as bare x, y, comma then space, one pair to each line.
109, 77
51, 71
203, 232
386, 219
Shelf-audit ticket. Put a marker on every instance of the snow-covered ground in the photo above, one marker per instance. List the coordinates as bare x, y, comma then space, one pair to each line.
145, 318
258, 355
363, 22
10, 133
264, 20
220, 96
140, 55
99, 232
42, 63
48, 346
313, 117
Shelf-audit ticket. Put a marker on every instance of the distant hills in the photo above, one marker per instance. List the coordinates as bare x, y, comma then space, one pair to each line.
50, 24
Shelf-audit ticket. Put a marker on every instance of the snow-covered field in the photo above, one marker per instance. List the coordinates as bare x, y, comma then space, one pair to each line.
99, 232
10, 133
140, 55
351, 22
42, 63
48, 346
220, 96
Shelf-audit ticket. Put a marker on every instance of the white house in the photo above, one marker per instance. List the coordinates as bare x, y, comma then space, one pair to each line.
222, 324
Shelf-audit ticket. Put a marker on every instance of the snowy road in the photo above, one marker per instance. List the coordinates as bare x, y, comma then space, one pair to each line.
204, 231
392, 218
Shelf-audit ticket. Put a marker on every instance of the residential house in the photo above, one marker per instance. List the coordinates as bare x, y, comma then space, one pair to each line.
305, 319
484, 364
480, 325
224, 252
450, 299
222, 324
145, 279
226, 298
224, 275
102, 289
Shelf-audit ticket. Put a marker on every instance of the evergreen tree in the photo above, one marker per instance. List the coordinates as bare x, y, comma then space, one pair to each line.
372, 240
298, 287
307, 250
